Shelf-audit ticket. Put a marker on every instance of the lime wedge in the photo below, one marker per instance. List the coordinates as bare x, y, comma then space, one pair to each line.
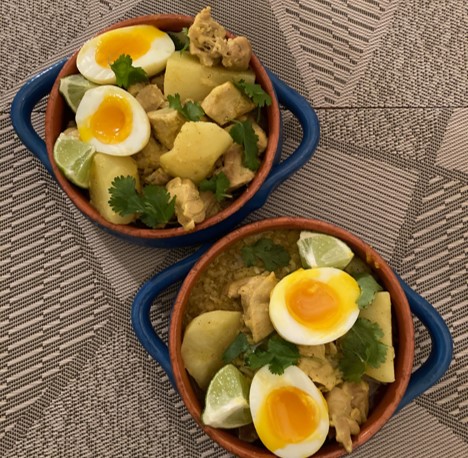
74, 157
73, 88
321, 250
226, 402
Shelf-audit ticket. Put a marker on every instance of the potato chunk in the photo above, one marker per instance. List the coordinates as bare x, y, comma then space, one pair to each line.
226, 103
103, 171
196, 150
206, 338
186, 76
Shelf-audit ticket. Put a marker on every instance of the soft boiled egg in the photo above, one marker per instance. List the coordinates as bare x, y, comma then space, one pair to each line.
112, 120
314, 306
148, 47
289, 412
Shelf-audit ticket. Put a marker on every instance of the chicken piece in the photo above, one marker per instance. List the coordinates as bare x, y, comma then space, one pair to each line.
233, 168
166, 124
344, 413
150, 97
159, 177
189, 207
134, 89
237, 53
255, 298
159, 81
312, 351
225, 103
212, 206
207, 38
320, 370
148, 158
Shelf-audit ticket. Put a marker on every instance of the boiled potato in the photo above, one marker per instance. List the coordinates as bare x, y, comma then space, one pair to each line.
206, 338
186, 76
196, 149
104, 169
379, 311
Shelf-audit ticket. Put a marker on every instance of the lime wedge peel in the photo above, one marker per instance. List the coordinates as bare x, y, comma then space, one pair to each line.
226, 402
322, 250
73, 88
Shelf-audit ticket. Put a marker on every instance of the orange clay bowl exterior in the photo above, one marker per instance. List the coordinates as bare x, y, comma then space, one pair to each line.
56, 118
388, 399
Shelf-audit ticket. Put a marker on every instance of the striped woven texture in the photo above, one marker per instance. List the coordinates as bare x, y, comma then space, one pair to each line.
388, 80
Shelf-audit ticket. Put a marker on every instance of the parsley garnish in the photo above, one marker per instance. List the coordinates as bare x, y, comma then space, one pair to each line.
126, 74
254, 92
368, 287
154, 206
360, 348
217, 184
275, 351
243, 134
192, 111
264, 249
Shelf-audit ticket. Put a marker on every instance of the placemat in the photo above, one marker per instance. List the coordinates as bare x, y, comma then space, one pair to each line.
389, 82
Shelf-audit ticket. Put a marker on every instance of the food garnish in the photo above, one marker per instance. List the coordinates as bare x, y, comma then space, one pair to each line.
254, 92
181, 39
126, 74
368, 287
218, 185
153, 206
192, 111
271, 254
243, 134
361, 347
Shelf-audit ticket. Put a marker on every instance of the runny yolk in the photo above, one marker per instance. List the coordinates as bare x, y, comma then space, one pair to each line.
312, 303
111, 123
289, 416
135, 42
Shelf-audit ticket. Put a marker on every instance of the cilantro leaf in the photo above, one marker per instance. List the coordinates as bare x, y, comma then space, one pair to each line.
192, 111
368, 287
126, 74
255, 92
217, 184
243, 134
181, 39
154, 206
264, 249
361, 347
238, 346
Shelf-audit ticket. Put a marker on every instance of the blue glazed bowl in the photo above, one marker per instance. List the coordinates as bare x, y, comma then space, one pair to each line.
272, 172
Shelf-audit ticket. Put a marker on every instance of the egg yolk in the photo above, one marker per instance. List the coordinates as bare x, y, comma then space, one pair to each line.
111, 123
288, 416
133, 41
312, 303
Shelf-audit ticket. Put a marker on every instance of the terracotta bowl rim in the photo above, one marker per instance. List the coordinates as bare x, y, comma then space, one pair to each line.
401, 312
78, 197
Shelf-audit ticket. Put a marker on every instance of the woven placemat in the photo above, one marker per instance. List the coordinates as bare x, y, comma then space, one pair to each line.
389, 82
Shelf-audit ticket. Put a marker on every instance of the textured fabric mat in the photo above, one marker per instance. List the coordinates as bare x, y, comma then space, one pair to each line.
389, 83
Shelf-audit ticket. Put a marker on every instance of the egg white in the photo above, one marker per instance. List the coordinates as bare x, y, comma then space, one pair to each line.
343, 285
263, 383
140, 132
153, 61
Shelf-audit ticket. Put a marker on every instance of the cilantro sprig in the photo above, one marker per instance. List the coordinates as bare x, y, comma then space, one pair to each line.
271, 254
192, 111
153, 206
274, 351
181, 39
361, 347
369, 287
254, 92
217, 184
125, 73
243, 134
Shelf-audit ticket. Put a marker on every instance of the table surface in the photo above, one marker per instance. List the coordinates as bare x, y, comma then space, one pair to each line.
388, 80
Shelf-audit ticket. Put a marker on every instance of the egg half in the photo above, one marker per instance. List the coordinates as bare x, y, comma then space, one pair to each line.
112, 120
148, 47
314, 306
289, 412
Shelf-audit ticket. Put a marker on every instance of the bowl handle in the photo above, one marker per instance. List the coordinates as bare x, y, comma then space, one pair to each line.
442, 346
143, 301
307, 117
22, 106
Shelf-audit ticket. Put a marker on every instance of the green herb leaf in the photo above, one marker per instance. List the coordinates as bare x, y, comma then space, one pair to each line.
126, 74
368, 287
254, 92
361, 347
154, 206
239, 345
264, 249
217, 184
192, 111
243, 134
180, 39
